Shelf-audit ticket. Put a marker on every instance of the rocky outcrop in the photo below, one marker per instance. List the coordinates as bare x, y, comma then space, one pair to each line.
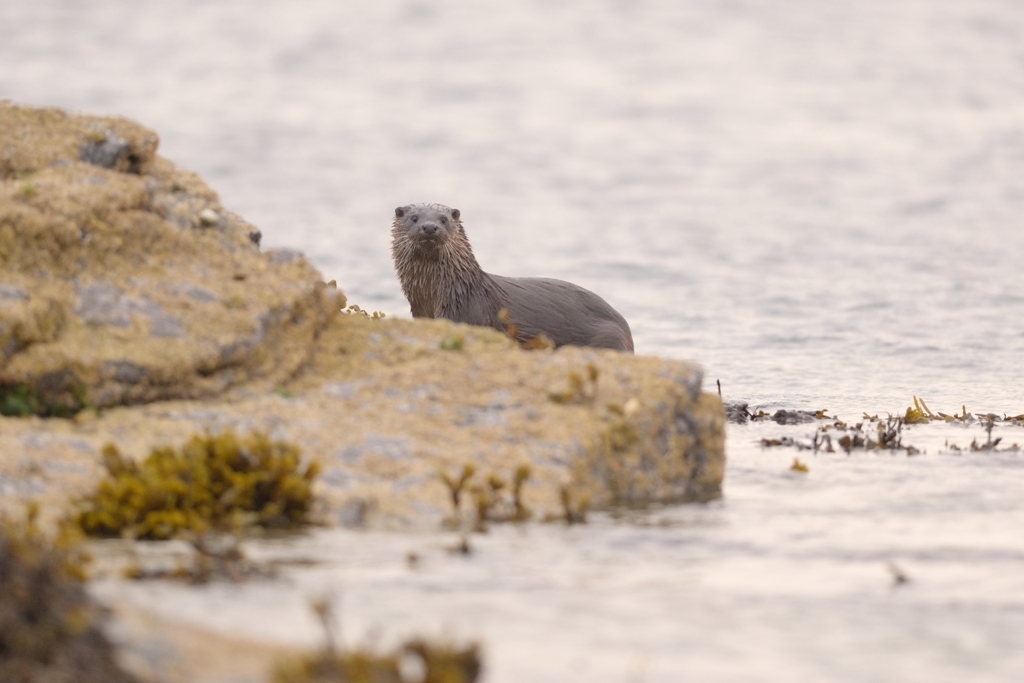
125, 285
388, 406
122, 278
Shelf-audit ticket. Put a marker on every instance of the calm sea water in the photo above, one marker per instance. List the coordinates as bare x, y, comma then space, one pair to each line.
821, 202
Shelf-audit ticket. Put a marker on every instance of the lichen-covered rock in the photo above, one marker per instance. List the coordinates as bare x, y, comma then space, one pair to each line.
122, 278
386, 406
123, 282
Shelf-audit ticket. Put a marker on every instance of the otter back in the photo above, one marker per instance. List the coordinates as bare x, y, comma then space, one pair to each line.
566, 313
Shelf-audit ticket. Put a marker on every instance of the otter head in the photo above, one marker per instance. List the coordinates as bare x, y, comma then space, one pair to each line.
425, 227
433, 259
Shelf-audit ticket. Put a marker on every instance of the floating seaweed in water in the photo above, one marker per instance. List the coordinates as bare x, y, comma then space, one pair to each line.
740, 413
416, 660
784, 441
888, 436
49, 629
920, 413
990, 445
214, 557
213, 482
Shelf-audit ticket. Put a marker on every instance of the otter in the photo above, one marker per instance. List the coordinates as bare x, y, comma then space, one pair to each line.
442, 279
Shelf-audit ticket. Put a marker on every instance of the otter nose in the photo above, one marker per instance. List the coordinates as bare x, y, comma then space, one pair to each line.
429, 228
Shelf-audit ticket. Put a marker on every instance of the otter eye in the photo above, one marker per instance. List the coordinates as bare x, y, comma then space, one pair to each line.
414, 218
444, 220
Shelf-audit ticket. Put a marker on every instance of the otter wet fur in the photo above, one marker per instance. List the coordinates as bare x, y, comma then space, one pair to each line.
442, 279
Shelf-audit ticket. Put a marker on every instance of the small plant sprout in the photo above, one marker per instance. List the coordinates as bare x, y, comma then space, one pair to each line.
323, 608
455, 342
455, 486
574, 509
356, 310
521, 512
581, 387
493, 504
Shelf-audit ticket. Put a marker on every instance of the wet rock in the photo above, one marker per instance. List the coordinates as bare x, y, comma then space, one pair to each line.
793, 417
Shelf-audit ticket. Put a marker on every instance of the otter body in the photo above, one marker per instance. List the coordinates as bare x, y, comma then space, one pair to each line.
442, 279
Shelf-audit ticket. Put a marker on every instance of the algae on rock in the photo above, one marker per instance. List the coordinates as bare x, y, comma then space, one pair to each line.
213, 482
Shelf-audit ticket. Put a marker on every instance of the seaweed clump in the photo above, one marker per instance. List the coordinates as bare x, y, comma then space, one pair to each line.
213, 482
580, 388
214, 558
740, 413
495, 502
49, 630
416, 660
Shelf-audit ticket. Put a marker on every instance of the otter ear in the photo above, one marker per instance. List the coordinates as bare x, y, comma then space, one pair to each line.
455, 214
399, 212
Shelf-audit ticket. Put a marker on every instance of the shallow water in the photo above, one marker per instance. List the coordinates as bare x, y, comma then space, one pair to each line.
786, 578
820, 202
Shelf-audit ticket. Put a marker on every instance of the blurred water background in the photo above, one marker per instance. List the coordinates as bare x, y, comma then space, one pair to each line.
821, 202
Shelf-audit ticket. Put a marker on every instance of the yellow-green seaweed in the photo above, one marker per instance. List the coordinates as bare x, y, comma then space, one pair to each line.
417, 660
212, 482
491, 503
436, 663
